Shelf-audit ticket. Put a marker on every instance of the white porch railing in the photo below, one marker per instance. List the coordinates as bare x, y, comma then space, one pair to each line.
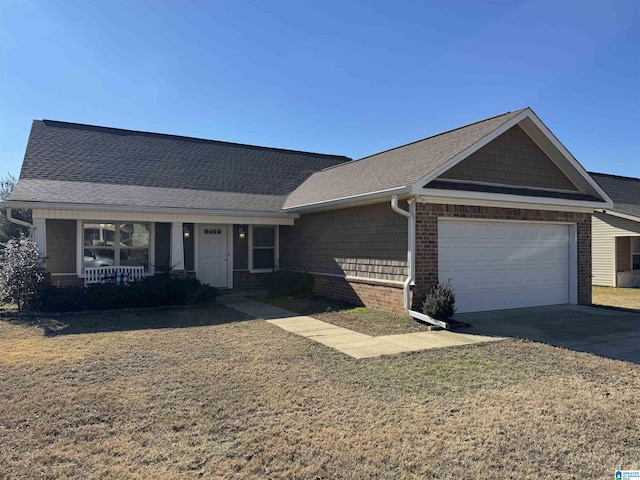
100, 274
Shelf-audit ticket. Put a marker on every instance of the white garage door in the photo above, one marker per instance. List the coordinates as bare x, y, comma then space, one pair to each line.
498, 265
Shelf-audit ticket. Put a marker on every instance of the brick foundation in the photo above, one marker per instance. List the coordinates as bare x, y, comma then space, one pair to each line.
427, 237
244, 279
379, 296
66, 280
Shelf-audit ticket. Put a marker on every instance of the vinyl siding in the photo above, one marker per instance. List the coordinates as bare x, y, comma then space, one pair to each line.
511, 159
604, 229
364, 242
61, 246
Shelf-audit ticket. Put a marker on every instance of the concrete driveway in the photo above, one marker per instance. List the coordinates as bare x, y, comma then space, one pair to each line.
606, 332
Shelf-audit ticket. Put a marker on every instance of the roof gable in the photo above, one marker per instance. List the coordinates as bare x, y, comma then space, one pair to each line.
398, 168
409, 168
513, 158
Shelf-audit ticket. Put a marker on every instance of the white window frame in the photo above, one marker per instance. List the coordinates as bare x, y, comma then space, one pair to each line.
80, 247
276, 248
633, 253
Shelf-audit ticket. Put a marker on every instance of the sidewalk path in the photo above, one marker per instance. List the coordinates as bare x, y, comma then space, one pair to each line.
354, 344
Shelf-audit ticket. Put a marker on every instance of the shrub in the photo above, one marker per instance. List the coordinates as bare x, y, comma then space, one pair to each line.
288, 283
440, 302
162, 290
21, 272
62, 299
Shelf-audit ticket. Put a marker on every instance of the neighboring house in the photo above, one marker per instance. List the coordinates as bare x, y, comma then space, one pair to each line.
616, 233
499, 206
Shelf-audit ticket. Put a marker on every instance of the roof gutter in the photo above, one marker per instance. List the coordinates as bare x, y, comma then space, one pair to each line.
349, 200
411, 243
20, 222
626, 216
147, 209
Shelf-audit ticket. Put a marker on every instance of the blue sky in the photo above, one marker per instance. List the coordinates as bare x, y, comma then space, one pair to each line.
344, 77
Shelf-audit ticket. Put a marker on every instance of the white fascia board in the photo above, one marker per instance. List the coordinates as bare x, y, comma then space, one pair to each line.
457, 197
626, 216
145, 209
569, 157
469, 150
348, 200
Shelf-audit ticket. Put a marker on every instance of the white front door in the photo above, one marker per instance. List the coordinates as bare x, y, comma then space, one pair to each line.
213, 255
498, 265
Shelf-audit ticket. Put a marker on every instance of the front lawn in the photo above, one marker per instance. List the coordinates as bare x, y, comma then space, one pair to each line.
212, 394
359, 319
617, 297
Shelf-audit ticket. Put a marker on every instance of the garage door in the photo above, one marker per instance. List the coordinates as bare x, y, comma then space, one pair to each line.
498, 265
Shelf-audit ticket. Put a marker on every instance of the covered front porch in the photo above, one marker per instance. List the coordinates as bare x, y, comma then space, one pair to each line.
221, 251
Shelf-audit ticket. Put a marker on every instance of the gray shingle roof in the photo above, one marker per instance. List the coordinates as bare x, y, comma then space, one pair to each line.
395, 168
56, 191
624, 191
192, 173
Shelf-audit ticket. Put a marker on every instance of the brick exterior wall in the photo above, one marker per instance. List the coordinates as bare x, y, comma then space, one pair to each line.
385, 297
244, 279
427, 238
70, 280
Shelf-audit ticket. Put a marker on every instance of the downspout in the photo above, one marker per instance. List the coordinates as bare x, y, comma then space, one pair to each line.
411, 244
20, 222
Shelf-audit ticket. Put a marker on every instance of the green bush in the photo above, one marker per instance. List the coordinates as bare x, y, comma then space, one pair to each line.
162, 290
62, 299
288, 283
440, 302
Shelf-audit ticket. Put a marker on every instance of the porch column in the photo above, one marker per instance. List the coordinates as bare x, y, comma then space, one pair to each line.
40, 235
177, 247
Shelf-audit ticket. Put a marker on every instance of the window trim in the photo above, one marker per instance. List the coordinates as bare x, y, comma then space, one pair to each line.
276, 248
80, 247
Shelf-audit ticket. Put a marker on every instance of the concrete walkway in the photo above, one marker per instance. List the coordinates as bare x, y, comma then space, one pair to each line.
354, 344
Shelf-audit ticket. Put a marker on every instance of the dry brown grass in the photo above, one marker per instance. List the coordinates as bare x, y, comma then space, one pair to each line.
360, 319
245, 399
617, 297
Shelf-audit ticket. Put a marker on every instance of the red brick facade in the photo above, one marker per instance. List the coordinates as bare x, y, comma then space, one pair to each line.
244, 279
387, 297
427, 237
70, 280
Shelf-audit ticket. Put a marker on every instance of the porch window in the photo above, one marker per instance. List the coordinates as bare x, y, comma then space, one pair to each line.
263, 248
121, 244
635, 253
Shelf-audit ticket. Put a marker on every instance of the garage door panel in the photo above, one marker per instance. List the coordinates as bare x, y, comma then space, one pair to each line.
495, 265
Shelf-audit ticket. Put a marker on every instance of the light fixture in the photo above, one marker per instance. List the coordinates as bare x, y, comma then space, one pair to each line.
241, 232
186, 232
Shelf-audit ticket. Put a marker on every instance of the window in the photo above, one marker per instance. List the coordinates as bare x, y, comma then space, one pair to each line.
263, 248
125, 244
635, 253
